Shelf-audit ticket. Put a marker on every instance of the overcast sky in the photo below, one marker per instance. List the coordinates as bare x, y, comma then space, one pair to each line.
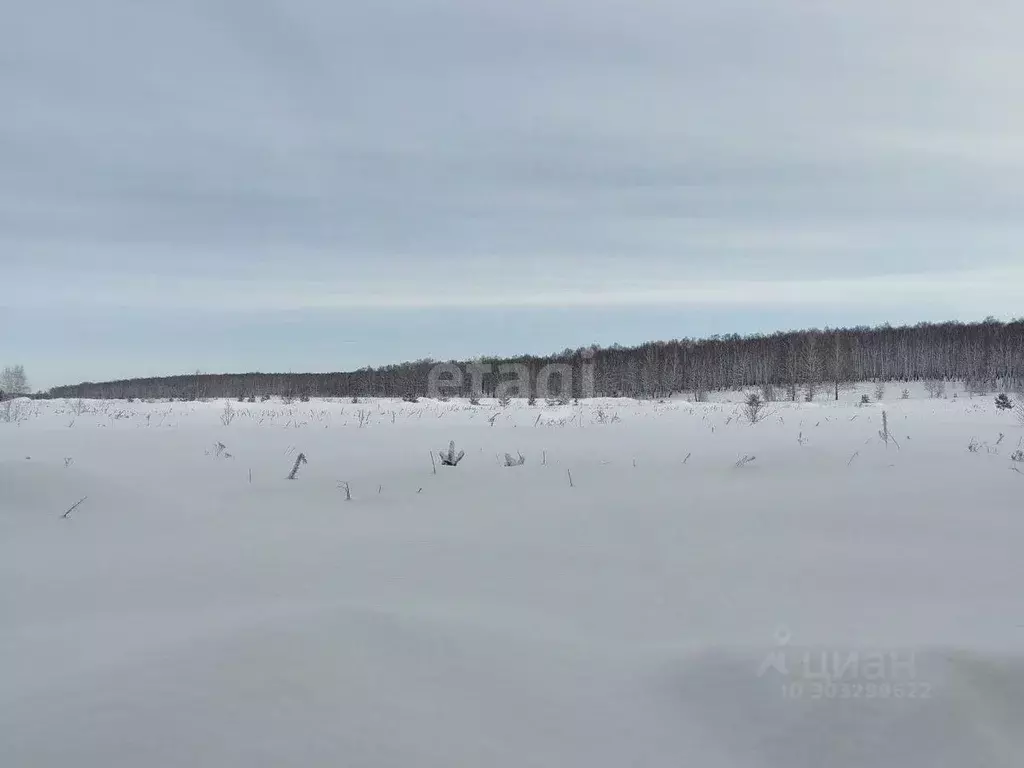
318, 184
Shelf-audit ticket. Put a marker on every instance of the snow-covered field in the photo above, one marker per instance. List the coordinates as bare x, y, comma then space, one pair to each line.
667, 608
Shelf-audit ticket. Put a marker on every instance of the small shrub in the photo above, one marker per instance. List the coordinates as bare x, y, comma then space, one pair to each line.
977, 387
879, 390
474, 400
511, 462
504, 400
219, 451
410, 399
865, 400
905, 395
1003, 402
754, 409
451, 459
304, 397
228, 414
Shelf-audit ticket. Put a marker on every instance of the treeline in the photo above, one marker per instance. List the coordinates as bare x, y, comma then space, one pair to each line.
988, 355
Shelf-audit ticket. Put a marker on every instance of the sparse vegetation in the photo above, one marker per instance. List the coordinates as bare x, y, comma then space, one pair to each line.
754, 409
884, 432
514, 462
73, 507
219, 451
11, 411
450, 458
299, 461
228, 414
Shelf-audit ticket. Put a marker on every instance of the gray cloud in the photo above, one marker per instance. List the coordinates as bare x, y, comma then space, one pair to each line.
461, 140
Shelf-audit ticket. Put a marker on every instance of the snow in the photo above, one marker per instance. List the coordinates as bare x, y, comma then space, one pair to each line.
494, 616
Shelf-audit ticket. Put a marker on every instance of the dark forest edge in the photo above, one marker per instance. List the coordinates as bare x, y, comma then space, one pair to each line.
987, 354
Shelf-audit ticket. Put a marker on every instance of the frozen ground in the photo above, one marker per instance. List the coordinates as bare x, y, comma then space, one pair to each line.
662, 611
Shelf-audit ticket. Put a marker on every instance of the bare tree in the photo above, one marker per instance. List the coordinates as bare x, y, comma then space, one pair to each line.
811, 364
13, 380
792, 367
837, 363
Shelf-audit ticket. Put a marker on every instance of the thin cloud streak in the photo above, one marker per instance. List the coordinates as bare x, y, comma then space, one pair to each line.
996, 292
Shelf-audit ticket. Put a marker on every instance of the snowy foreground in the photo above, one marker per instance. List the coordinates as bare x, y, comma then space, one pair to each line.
833, 602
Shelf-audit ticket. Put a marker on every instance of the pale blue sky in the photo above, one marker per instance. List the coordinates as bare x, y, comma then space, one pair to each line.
319, 185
